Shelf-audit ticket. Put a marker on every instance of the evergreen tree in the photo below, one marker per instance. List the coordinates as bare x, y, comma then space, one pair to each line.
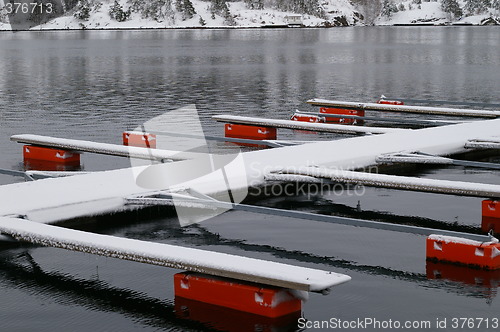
157, 10
495, 4
82, 10
388, 8
254, 4
452, 8
474, 7
484, 5
311, 7
189, 8
186, 8
117, 13
219, 7
470, 6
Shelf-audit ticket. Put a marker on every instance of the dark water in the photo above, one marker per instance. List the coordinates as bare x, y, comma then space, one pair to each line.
94, 85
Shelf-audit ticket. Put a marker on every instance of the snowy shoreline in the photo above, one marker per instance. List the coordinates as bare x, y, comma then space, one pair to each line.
227, 28
122, 15
277, 27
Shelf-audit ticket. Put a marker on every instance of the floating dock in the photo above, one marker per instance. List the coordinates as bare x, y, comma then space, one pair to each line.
103, 148
318, 127
28, 208
405, 109
202, 261
50, 200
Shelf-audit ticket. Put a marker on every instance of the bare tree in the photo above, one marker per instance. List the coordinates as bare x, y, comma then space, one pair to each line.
451, 8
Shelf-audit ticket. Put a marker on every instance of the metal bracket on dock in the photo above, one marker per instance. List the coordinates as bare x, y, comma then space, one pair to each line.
210, 203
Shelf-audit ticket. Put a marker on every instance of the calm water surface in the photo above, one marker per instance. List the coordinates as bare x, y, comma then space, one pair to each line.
94, 85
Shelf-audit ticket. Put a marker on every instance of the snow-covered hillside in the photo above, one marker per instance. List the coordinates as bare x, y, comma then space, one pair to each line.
110, 14
101, 14
438, 11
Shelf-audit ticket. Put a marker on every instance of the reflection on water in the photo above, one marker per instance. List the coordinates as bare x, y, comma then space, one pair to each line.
24, 273
181, 314
95, 84
127, 77
230, 320
464, 280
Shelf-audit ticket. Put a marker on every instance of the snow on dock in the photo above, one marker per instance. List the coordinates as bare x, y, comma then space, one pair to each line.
419, 158
405, 109
28, 208
103, 148
396, 182
213, 263
415, 158
298, 125
382, 119
56, 199
493, 144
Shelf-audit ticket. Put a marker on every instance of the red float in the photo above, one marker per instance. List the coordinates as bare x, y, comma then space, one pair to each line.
248, 297
490, 224
59, 156
226, 319
342, 111
308, 118
491, 216
485, 255
462, 274
139, 139
491, 208
250, 132
390, 102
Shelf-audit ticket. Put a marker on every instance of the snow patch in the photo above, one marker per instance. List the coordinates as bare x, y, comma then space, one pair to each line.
495, 253
281, 297
459, 240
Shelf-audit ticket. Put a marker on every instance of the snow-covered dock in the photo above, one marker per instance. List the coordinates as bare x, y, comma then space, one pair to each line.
55, 199
50, 200
419, 158
395, 182
405, 109
483, 144
202, 261
391, 120
103, 148
298, 125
